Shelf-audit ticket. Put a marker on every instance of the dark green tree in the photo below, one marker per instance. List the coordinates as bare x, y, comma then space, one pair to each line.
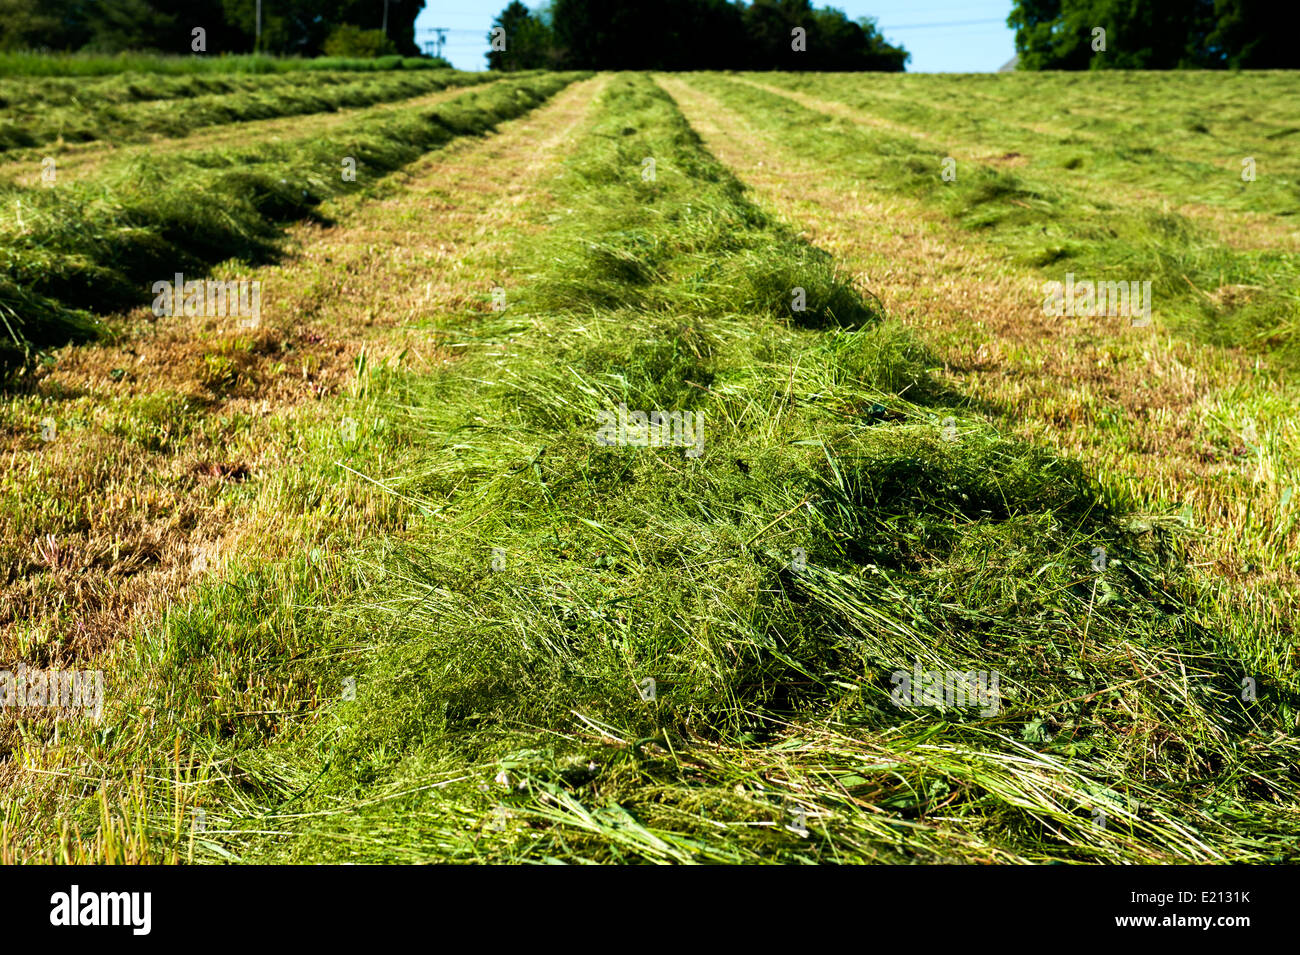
128, 25
369, 15
49, 24
1150, 34
182, 16
716, 34
838, 43
1247, 35
301, 26
529, 41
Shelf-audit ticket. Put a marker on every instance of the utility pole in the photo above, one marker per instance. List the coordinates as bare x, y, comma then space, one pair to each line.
434, 46
385, 26
257, 43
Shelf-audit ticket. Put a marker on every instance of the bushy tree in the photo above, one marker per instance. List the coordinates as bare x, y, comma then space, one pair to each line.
1150, 34
831, 40
716, 34
26, 24
1247, 35
128, 25
369, 15
288, 26
349, 40
296, 27
529, 41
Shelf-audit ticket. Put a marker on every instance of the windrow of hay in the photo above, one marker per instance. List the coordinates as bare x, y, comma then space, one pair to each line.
98, 246
45, 64
1058, 218
601, 651
123, 112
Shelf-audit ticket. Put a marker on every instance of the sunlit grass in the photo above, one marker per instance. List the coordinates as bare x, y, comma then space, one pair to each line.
850, 518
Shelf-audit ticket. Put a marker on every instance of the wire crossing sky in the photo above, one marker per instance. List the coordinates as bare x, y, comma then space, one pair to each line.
943, 36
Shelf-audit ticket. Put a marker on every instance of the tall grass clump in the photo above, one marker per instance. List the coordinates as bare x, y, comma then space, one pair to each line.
585, 651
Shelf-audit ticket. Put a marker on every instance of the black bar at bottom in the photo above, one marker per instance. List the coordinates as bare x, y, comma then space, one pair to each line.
335, 903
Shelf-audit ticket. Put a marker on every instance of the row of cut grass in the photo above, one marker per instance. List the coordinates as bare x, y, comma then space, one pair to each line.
1201, 436
120, 89
106, 64
848, 519
100, 245
1085, 128
1226, 296
88, 116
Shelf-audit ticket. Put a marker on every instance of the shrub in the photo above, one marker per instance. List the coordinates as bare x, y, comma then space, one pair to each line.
349, 40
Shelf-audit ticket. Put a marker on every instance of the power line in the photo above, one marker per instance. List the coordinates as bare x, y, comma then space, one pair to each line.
434, 46
909, 10
925, 26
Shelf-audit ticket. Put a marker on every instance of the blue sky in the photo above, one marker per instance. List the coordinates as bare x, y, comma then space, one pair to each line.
943, 36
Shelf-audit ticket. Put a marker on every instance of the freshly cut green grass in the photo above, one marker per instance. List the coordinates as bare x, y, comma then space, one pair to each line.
1181, 135
1049, 216
100, 245
124, 110
21, 93
93, 64
848, 519
1086, 387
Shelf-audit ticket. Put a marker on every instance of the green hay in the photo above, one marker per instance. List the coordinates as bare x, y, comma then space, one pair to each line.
1042, 215
835, 530
103, 243
124, 113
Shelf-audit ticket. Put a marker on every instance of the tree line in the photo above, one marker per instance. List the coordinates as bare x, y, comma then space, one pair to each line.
1155, 34
289, 27
687, 35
